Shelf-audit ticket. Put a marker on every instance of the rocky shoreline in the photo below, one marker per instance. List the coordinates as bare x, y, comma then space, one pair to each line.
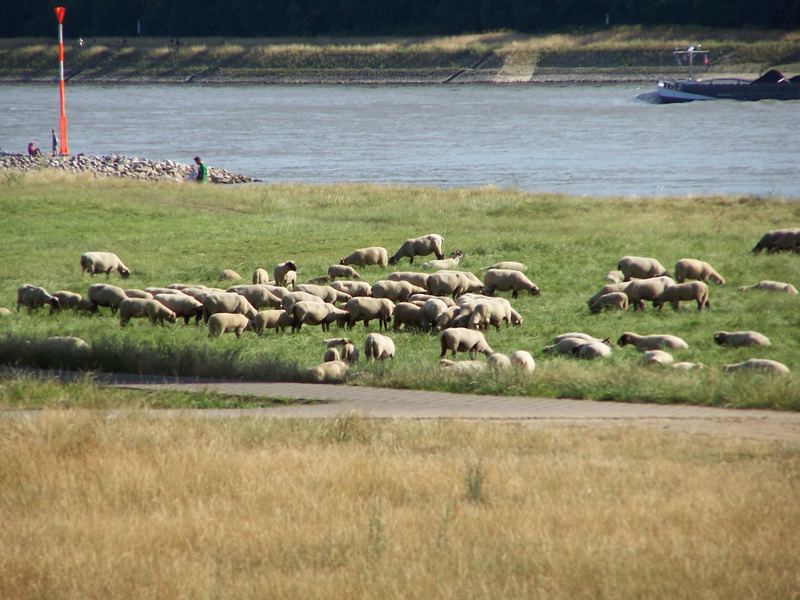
116, 165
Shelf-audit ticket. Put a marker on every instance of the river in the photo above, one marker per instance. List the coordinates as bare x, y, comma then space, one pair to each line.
592, 140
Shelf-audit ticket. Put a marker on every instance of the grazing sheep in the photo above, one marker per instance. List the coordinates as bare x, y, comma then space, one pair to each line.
396, 291
326, 292
144, 307
420, 246
134, 293
103, 262
461, 339
639, 290
183, 286
342, 272
475, 284
373, 255
640, 267
770, 286
353, 288
657, 357
163, 290
272, 319
412, 277
687, 366
183, 306
500, 312
445, 263
778, 240
316, 313
225, 302
257, 295
565, 345
463, 367
103, 294
229, 275
610, 301
504, 280
448, 283
329, 372
72, 301
496, 360
608, 289
220, 323
260, 276
368, 309
591, 350
292, 298
741, 338
378, 347
692, 290
281, 274
522, 359
507, 264
331, 354
615, 277
31, 296
432, 308
691, 268
764, 365
425, 297
409, 315
651, 342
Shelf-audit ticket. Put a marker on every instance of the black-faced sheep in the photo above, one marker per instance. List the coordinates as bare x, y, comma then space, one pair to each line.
763, 365
31, 296
778, 240
103, 262
684, 292
73, 301
461, 339
565, 345
448, 283
331, 354
420, 246
640, 267
691, 268
497, 361
292, 298
342, 272
610, 301
144, 307
378, 347
134, 293
741, 338
651, 342
608, 289
368, 309
505, 280
220, 323
354, 288
409, 316
463, 367
282, 275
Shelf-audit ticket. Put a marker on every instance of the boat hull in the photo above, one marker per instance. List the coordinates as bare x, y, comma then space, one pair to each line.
670, 92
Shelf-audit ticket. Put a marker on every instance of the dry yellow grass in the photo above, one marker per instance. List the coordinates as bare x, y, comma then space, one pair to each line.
135, 507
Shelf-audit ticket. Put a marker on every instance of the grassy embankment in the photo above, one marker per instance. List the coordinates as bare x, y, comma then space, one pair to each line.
615, 53
136, 508
171, 232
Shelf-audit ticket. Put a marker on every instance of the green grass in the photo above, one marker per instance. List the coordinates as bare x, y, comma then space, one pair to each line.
180, 233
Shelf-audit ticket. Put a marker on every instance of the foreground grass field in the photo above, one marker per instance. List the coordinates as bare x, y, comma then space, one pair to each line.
171, 232
139, 508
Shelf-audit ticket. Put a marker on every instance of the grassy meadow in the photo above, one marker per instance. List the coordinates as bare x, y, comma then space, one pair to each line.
168, 232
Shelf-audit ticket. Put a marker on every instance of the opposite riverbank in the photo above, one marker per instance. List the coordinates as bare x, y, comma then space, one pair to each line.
618, 54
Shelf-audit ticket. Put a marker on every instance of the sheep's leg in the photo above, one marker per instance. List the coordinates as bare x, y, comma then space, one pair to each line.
515, 294
676, 304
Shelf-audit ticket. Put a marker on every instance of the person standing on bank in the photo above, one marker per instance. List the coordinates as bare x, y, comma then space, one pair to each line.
202, 170
54, 141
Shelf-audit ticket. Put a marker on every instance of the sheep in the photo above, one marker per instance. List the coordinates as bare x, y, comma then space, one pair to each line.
764, 365
281, 273
691, 268
425, 297
497, 360
507, 264
475, 284
293, 297
103, 294
154, 290
640, 267
445, 263
326, 292
639, 290
378, 347
329, 372
31, 296
5, 312
741, 338
448, 283
316, 313
221, 322
657, 357
522, 359
420, 246
771, 286
610, 301
260, 276
432, 308
272, 319
183, 306
504, 280
396, 291
651, 342
347, 350
103, 262
257, 295
412, 277
373, 255
198, 293
448, 319
144, 307
461, 339
342, 272
229, 275
607, 289
778, 240
591, 350
225, 302
134, 293
331, 354
576, 334
615, 277
687, 366
480, 316
183, 286
565, 345
409, 315
276, 290
65, 344
367, 309
354, 288
463, 367
692, 290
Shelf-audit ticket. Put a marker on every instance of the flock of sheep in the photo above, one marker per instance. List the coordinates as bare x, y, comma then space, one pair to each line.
455, 303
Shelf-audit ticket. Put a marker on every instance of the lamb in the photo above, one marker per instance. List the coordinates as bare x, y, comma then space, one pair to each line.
229, 275
651, 342
396, 291
506, 279
608, 289
281, 273
293, 297
354, 288
347, 350
134, 293
378, 347
445, 263
367, 309
639, 290
692, 290
225, 302
417, 279
73, 301
522, 359
420, 246
373, 255
741, 338
657, 357
260, 276
461, 339
615, 277
183, 306
448, 283
326, 292
764, 365
272, 319
31, 296
771, 286
103, 294
496, 360
691, 268
463, 367
778, 240
316, 313
221, 322
329, 372
508, 265
409, 315
592, 350
610, 301
103, 262
640, 267
343, 272
257, 295
144, 307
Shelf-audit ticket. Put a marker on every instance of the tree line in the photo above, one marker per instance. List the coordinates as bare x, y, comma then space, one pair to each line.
266, 18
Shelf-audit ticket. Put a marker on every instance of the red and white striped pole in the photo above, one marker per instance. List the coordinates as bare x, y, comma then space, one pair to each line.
60, 10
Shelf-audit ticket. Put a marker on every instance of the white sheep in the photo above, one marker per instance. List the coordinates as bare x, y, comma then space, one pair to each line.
424, 297
183, 306
432, 308
497, 360
72, 301
316, 313
741, 338
368, 309
326, 292
225, 302
155, 290
463, 367
592, 350
770, 286
31, 296
281, 273
292, 298
229, 275
608, 289
576, 334
420, 246
373, 255
396, 291
687, 366
639, 290
504, 280
144, 307
329, 372
446, 263
134, 293
220, 323
657, 357
610, 301
342, 272
684, 292
272, 319
640, 267
103, 262
461, 339
692, 268
61, 345
564, 345
378, 347
260, 276
331, 354
651, 342
507, 264
615, 277
412, 277
353, 288
448, 283
103, 294
522, 359
409, 316
763, 365
347, 350
258, 295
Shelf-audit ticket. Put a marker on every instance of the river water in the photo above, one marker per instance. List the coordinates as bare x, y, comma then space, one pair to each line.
594, 140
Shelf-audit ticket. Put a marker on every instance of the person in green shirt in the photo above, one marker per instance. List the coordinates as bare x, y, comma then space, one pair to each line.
202, 170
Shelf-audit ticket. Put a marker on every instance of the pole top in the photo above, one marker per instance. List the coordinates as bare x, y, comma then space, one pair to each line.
60, 10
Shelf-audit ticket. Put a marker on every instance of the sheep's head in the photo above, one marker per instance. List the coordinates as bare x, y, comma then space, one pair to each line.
392, 260
124, 272
54, 303
289, 264
625, 338
719, 337
456, 254
534, 289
